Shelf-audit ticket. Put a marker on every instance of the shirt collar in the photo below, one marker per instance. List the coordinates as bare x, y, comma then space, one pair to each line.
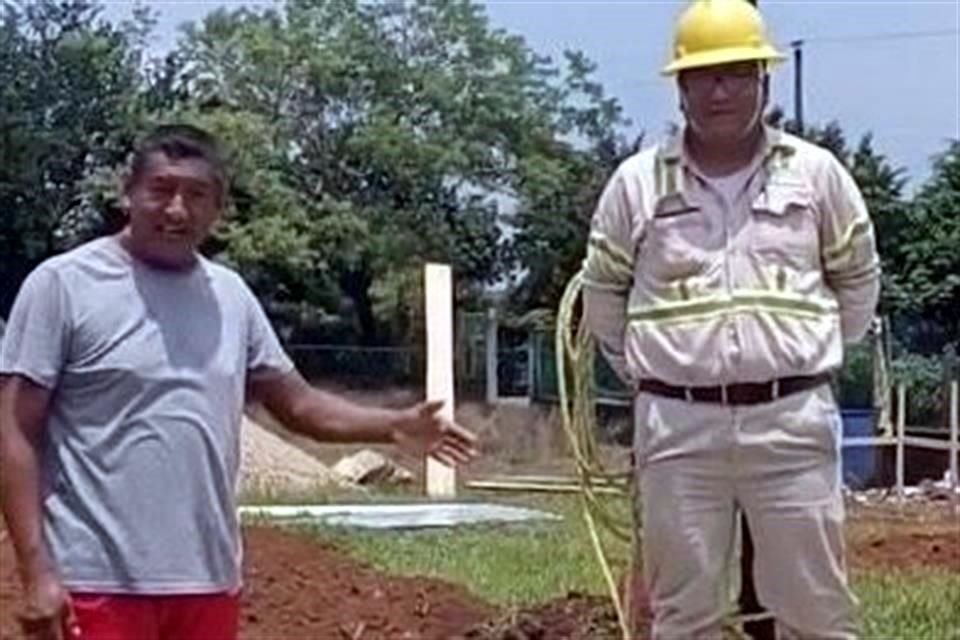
775, 144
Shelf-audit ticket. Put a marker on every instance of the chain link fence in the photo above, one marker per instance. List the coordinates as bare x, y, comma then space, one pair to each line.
376, 367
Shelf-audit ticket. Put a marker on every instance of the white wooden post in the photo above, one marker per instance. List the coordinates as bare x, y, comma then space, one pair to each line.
492, 348
954, 444
882, 394
901, 432
441, 480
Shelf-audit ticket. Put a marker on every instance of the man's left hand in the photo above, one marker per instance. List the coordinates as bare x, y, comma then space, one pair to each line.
421, 430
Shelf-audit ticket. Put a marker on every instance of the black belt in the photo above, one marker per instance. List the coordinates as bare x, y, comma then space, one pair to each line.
740, 393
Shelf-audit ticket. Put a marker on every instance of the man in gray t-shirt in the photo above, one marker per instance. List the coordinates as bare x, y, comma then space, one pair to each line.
129, 361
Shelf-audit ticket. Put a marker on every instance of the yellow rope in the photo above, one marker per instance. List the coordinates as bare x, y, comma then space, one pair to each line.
575, 354
575, 357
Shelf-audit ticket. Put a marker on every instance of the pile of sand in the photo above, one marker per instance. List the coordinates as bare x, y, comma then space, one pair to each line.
271, 466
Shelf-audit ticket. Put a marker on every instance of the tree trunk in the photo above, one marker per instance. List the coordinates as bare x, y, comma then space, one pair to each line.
356, 285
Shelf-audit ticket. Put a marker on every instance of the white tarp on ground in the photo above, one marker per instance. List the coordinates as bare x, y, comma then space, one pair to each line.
398, 516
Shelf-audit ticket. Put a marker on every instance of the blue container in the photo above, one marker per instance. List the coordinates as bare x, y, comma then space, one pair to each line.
859, 463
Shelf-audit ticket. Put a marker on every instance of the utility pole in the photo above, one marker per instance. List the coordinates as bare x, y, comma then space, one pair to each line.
798, 84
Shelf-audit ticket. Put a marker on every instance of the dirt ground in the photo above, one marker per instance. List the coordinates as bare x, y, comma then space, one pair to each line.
921, 534
297, 587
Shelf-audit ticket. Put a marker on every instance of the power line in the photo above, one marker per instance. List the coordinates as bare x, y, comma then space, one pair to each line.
797, 46
904, 35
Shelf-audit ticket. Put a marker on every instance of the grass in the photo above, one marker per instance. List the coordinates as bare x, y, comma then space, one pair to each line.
519, 565
504, 564
915, 605
264, 494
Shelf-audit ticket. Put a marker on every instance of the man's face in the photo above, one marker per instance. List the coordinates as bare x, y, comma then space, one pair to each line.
723, 103
173, 205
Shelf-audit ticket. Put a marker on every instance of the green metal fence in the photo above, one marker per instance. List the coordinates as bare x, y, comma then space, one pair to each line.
607, 386
526, 365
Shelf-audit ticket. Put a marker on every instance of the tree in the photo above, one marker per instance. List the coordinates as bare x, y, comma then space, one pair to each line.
68, 109
409, 125
560, 183
882, 186
926, 284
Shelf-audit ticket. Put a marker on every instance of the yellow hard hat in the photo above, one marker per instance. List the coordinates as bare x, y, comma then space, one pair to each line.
712, 32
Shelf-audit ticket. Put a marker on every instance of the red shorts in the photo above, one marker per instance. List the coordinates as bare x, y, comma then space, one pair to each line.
129, 617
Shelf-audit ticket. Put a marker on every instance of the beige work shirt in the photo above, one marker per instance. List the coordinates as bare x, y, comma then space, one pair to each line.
694, 289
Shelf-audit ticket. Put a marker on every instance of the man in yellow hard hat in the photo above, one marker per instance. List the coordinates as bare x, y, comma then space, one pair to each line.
726, 268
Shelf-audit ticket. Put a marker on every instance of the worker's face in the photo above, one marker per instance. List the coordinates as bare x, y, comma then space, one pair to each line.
172, 205
723, 104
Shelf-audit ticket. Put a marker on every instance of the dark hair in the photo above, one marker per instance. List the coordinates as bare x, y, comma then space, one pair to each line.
177, 142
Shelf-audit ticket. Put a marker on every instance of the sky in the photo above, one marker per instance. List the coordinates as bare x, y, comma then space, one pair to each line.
887, 66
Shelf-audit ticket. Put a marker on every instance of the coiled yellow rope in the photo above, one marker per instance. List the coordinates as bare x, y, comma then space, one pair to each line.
575, 360
575, 379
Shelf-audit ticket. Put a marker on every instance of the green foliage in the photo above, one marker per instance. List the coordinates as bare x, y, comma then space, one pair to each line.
410, 124
924, 380
855, 381
367, 139
925, 282
559, 185
68, 108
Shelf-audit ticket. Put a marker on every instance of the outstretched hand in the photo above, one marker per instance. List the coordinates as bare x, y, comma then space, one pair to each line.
421, 430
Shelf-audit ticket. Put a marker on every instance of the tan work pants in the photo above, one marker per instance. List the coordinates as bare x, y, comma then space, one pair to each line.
779, 462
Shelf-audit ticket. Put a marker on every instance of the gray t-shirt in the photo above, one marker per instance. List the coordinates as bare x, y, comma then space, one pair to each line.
148, 370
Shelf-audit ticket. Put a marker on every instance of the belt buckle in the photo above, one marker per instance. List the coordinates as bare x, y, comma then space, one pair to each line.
774, 389
724, 397
688, 394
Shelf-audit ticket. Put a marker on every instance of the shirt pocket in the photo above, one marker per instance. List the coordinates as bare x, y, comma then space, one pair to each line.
783, 227
673, 248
